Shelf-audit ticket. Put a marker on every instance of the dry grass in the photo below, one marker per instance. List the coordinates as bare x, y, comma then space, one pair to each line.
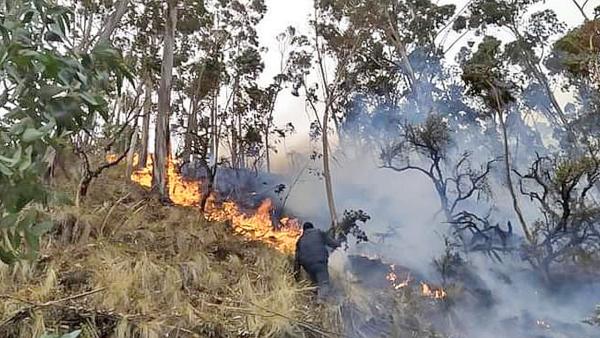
161, 271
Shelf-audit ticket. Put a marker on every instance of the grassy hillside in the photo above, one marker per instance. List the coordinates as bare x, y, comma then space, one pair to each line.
122, 265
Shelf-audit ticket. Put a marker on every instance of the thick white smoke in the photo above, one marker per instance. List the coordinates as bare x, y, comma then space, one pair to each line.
404, 209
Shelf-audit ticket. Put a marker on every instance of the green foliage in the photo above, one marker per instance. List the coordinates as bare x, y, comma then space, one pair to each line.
485, 74
349, 226
49, 93
432, 135
430, 139
575, 52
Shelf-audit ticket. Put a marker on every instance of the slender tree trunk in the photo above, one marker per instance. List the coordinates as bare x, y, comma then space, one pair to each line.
269, 123
401, 49
162, 144
541, 77
325, 130
130, 155
143, 158
211, 166
192, 127
267, 152
111, 24
191, 130
240, 144
214, 142
509, 181
327, 169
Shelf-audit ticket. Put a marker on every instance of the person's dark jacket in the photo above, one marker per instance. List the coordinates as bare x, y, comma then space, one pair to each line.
311, 248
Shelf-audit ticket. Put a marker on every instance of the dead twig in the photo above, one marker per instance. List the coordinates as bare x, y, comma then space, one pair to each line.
112, 209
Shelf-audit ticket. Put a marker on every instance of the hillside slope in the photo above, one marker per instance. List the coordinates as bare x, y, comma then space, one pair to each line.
122, 265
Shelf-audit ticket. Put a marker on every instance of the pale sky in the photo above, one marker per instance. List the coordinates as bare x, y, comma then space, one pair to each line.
283, 13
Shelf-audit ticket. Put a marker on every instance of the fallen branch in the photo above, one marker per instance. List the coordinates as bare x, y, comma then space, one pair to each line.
33, 305
53, 302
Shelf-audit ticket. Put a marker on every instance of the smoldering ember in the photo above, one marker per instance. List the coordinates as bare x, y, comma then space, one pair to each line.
308, 168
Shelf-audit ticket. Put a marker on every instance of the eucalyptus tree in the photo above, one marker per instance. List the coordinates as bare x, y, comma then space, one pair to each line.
146, 20
531, 43
575, 57
485, 73
49, 91
378, 64
162, 143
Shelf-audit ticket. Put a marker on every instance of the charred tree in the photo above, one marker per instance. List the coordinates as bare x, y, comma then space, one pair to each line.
561, 187
453, 183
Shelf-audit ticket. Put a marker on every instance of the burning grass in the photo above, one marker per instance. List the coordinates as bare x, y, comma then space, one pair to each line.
253, 224
123, 265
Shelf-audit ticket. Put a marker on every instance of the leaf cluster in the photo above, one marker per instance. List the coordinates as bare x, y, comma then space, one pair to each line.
49, 93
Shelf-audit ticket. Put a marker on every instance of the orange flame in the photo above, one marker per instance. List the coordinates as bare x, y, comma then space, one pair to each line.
429, 291
426, 290
393, 278
256, 225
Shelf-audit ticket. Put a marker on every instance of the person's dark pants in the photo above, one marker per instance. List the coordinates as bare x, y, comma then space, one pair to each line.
319, 274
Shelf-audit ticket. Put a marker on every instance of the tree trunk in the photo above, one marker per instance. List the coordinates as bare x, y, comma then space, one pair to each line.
191, 130
143, 158
509, 181
130, 155
325, 128
161, 149
192, 127
240, 144
327, 169
211, 166
444, 203
214, 141
267, 152
401, 49
82, 191
210, 176
112, 22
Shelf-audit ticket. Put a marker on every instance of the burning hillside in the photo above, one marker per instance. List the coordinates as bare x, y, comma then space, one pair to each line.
258, 224
252, 224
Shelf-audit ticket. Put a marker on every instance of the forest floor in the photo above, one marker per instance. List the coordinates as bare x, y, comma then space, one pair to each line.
123, 265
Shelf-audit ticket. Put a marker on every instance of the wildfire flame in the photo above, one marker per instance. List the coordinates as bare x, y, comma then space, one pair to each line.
431, 292
426, 290
254, 225
393, 278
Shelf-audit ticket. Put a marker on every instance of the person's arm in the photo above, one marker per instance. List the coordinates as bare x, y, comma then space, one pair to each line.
330, 241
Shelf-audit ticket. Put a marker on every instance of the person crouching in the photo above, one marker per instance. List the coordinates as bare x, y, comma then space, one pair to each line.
313, 256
